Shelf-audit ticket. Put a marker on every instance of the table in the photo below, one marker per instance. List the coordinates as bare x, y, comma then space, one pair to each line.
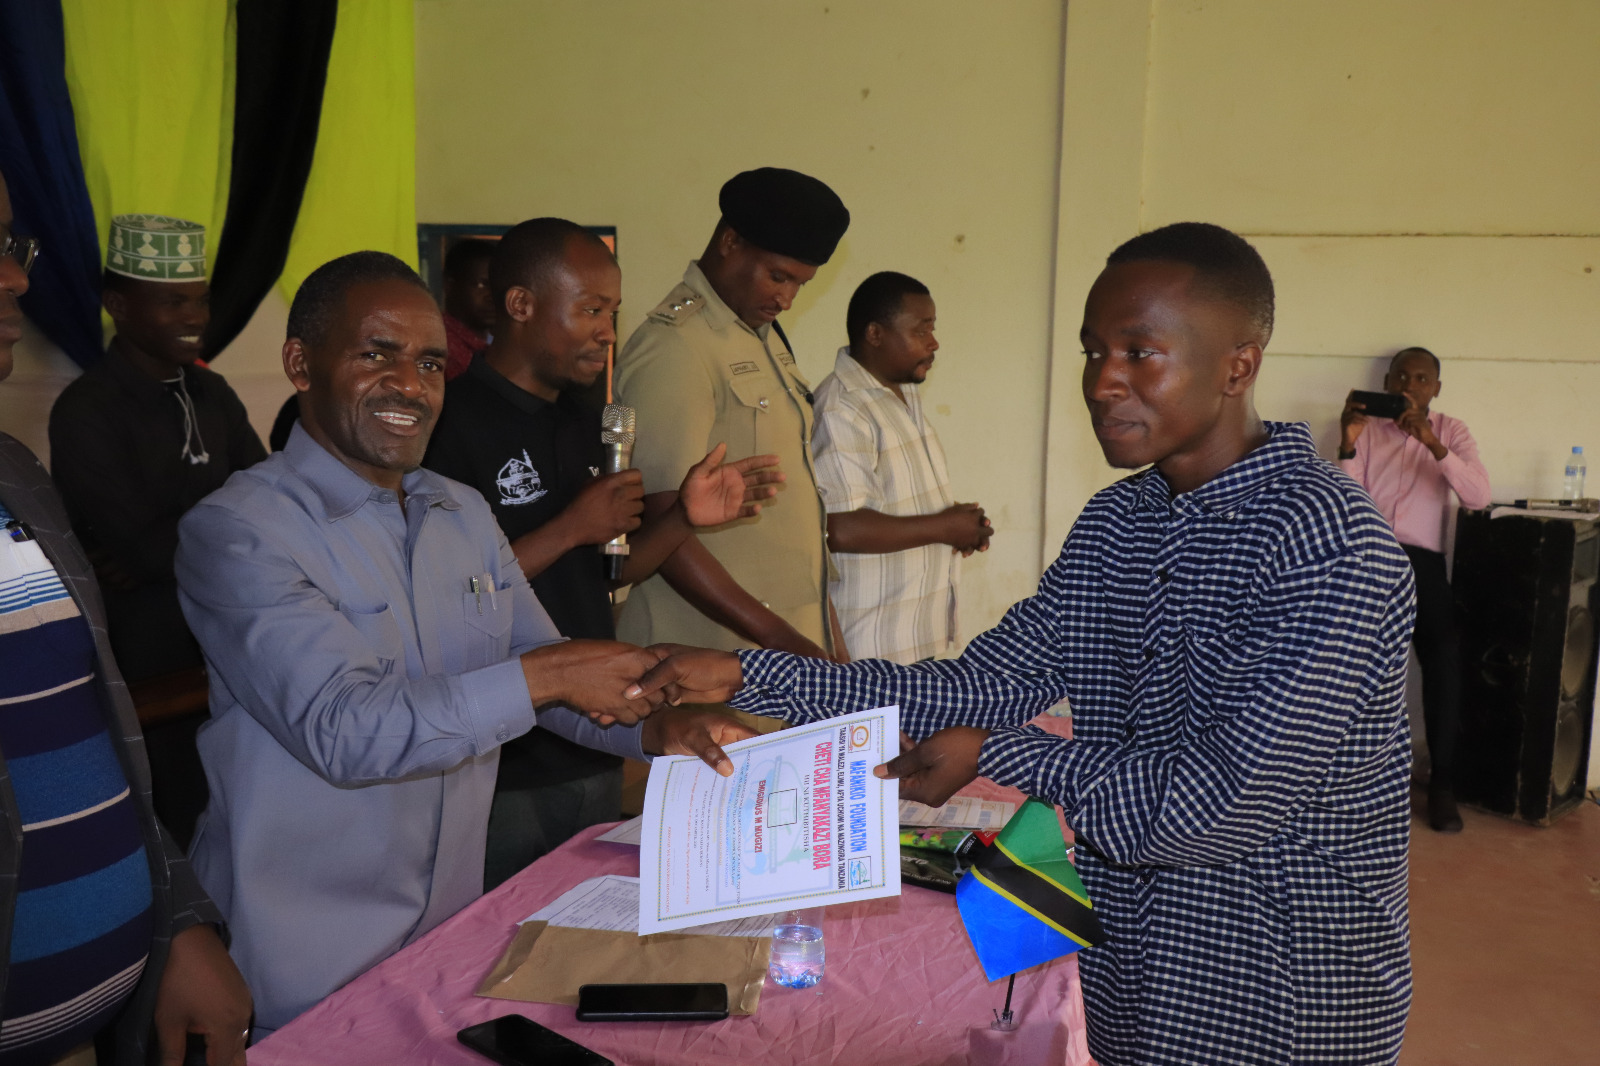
903, 988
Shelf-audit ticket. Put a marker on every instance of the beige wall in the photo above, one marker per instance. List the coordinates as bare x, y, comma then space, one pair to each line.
39, 372
1413, 172
936, 122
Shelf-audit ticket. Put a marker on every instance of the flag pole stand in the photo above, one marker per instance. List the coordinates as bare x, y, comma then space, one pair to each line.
1004, 1020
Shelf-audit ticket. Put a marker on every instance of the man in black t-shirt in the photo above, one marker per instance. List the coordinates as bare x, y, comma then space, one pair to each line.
512, 428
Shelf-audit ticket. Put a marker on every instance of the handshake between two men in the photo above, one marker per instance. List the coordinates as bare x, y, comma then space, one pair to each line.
619, 684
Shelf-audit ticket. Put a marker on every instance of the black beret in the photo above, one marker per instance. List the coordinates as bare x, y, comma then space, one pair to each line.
785, 211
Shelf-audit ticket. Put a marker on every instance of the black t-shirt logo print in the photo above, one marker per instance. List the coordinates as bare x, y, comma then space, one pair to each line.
519, 481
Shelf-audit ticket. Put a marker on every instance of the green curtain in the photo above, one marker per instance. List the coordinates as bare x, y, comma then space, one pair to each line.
152, 94
362, 189
152, 84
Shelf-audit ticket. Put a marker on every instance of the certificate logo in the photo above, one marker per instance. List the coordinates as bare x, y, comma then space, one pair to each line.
860, 873
860, 737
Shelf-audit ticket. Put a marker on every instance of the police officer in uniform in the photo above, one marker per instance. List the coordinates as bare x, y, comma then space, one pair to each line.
711, 364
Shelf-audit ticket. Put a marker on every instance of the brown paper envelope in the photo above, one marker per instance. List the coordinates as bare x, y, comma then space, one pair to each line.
547, 964
514, 956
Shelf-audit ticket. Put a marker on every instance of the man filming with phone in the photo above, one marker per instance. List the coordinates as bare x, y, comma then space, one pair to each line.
1410, 463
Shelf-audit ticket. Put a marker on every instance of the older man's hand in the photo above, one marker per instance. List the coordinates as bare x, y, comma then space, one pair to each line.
202, 992
592, 677
694, 731
690, 675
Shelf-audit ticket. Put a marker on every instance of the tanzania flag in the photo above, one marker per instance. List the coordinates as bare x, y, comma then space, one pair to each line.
1021, 900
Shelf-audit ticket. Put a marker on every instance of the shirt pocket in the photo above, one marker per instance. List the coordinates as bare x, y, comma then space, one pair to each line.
488, 618
1222, 672
778, 575
381, 630
749, 408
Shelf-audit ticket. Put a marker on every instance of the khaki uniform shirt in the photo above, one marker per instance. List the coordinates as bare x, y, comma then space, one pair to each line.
697, 375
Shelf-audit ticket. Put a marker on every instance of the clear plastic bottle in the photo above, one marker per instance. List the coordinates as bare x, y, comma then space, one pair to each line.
1577, 470
797, 953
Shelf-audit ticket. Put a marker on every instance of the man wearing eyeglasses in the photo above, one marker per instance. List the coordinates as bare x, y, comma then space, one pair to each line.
111, 939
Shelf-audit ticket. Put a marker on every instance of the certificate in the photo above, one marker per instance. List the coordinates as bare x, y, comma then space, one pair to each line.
801, 823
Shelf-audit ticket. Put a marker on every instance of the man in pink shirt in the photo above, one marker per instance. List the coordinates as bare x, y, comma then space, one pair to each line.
1409, 466
469, 305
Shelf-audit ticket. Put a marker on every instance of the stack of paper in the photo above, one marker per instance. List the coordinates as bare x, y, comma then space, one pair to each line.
961, 812
624, 833
590, 935
612, 902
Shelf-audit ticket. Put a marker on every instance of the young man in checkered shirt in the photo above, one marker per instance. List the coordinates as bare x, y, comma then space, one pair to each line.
1230, 627
894, 530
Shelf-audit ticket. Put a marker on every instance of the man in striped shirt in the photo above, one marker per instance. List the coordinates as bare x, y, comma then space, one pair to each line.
893, 527
1230, 627
104, 930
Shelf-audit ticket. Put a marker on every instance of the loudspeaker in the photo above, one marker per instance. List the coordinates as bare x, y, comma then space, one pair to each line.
1526, 596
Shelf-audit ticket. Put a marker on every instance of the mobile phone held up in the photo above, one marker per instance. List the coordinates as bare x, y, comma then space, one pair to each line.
653, 1003
513, 1040
1380, 404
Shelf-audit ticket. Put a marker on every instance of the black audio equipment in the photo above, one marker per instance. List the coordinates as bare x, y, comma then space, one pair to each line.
1527, 596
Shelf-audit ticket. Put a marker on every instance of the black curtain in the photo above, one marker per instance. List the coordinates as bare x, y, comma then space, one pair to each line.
39, 157
282, 66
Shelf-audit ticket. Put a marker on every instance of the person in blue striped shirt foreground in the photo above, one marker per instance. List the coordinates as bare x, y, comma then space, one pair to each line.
105, 934
1230, 625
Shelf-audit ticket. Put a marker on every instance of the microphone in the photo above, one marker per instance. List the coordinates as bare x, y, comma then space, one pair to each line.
616, 433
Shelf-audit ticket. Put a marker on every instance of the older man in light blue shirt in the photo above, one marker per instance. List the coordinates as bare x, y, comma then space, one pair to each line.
371, 642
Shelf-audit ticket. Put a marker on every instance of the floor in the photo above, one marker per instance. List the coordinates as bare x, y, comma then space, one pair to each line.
1505, 942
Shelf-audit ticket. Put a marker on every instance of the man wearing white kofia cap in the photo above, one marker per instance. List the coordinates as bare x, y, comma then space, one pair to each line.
141, 437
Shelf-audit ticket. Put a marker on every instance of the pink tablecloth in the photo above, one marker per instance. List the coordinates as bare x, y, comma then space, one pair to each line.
903, 987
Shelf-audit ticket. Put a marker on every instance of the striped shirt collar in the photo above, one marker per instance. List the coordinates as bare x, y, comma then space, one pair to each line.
857, 378
1288, 445
343, 491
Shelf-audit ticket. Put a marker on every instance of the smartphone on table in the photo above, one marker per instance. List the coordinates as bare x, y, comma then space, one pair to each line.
653, 1003
1379, 404
513, 1040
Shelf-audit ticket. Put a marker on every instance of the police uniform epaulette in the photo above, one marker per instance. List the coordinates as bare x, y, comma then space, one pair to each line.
681, 304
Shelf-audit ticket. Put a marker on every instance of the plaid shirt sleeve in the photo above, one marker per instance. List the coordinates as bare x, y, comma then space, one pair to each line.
845, 451
1275, 727
1274, 731
1006, 677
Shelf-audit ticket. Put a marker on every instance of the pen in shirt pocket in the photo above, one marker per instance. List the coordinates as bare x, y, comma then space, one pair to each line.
484, 582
